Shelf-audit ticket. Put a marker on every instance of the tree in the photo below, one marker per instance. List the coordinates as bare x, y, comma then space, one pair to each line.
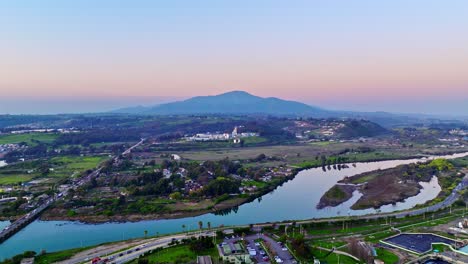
200, 225
121, 200
143, 261
300, 247
221, 186
146, 233
209, 225
175, 196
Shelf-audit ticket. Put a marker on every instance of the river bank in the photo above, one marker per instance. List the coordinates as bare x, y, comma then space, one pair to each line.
223, 207
294, 200
58, 214
393, 185
227, 206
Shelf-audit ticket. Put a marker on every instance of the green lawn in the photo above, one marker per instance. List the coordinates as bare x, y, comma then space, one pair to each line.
364, 179
386, 256
440, 248
28, 138
332, 258
14, 179
254, 140
322, 143
178, 254
79, 163
60, 167
258, 184
58, 256
335, 193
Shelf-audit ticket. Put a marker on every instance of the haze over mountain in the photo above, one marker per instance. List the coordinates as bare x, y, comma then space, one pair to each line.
241, 102
235, 102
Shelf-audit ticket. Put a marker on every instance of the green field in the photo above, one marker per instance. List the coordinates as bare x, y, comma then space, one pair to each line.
178, 254
254, 140
79, 163
58, 256
29, 138
386, 256
14, 179
332, 258
60, 167
258, 184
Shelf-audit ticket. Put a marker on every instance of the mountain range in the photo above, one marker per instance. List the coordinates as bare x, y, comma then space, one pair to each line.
241, 102
235, 102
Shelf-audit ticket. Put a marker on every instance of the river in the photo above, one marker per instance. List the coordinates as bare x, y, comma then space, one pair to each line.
294, 200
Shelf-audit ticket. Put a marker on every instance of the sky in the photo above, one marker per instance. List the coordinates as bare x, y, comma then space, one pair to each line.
83, 56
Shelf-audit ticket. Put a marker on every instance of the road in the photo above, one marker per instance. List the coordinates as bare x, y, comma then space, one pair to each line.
164, 241
448, 201
26, 219
339, 252
129, 150
135, 252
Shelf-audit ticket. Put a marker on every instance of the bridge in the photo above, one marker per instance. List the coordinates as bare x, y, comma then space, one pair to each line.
22, 222
17, 225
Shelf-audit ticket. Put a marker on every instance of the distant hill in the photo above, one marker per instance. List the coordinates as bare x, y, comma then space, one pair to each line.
236, 102
240, 102
360, 128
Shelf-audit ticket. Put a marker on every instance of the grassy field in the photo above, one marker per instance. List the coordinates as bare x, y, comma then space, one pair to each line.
60, 167
79, 163
335, 193
386, 256
14, 179
254, 140
178, 254
29, 138
58, 256
258, 184
460, 162
332, 258
291, 153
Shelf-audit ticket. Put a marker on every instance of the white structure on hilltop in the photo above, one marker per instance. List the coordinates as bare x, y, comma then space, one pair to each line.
235, 135
234, 132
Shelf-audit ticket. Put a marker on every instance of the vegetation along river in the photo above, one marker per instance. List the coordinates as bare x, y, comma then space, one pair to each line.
294, 200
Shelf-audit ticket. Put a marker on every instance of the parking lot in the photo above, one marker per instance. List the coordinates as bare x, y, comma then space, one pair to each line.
260, 255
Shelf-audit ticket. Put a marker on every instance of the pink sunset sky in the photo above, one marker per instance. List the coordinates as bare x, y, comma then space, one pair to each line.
396, 56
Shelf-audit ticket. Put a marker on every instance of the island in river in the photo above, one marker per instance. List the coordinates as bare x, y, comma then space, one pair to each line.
383, 187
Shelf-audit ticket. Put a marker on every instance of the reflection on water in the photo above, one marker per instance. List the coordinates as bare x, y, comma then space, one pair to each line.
294, 200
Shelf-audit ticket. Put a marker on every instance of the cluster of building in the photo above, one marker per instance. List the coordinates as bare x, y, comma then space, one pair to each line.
4, 148
276, 172
45, 130
458, 132
234, 135
190, 185
321, 129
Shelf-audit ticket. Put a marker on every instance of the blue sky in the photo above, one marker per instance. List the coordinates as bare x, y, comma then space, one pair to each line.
363, 55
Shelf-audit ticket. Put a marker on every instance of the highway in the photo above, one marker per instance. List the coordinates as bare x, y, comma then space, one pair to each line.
151, 244
20, 223
136, 251
445, 203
